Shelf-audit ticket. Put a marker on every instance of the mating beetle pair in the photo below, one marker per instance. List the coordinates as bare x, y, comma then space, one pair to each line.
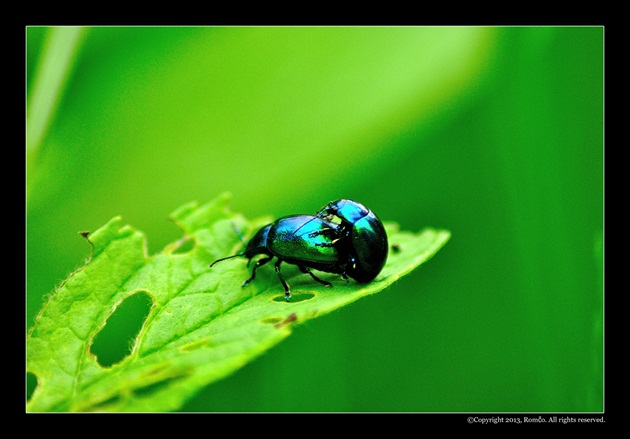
344, 237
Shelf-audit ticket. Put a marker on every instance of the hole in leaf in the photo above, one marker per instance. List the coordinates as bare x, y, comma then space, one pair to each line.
298, 297
184, 246
115, 340
31, 384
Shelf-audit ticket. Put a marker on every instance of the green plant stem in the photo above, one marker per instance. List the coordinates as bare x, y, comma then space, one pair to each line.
56, 61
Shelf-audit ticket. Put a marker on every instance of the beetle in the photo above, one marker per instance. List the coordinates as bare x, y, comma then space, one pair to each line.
304, 240
366, 235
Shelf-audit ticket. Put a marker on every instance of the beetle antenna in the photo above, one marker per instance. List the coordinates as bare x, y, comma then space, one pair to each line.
238, 232
227, 257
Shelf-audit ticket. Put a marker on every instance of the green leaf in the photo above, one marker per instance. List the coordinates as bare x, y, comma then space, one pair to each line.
201, 325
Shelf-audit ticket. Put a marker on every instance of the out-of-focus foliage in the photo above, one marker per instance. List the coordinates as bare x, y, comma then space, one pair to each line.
493, 133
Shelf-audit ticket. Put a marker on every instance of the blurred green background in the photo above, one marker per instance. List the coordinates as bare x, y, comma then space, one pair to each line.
495, 134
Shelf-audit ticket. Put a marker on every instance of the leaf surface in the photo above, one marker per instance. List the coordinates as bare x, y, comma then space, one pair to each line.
201, 325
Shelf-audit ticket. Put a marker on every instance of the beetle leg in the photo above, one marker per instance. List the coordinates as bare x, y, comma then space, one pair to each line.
324, 244
260, 263
306, 270
325, 231
345, 276
287, 290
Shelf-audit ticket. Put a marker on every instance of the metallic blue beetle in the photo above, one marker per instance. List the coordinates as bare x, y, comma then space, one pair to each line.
304, 240
355, 245
368, 239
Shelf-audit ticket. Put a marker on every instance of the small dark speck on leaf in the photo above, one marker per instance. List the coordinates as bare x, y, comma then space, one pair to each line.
290, 318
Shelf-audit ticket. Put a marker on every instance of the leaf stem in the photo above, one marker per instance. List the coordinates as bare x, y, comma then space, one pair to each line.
56, 60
